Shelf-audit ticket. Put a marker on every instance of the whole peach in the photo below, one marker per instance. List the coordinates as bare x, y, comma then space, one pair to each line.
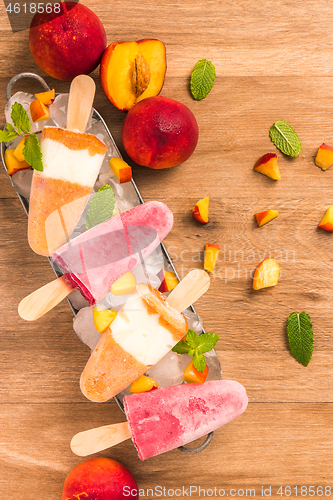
159, 132
100, 479
67, 43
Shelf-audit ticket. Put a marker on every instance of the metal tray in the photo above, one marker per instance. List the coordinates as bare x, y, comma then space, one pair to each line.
25, 203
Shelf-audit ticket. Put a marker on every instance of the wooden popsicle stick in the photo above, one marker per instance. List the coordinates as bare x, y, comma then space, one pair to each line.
190, 289
81, 98
44, 299
95, 440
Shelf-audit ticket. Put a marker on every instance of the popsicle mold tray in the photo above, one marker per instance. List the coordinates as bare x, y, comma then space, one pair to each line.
169, 370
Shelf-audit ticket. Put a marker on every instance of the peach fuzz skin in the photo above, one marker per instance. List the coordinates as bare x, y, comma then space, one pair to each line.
160, 132
67, 44
99, 479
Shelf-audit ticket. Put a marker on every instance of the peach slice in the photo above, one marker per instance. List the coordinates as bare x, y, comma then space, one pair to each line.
132, 71
39, 111
326, 222
211, 255
18, 152
46, 98
169, 281
103, 318
124, 285
200, 210
324, 158
122, 170
266, 216
193, 376
143, 384
267, 165
12, 163
267, 274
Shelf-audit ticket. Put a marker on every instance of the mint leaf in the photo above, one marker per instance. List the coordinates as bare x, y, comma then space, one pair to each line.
300, 336
202, 79
285, 138
9, 134
32, 152
101, 206
20, 118
195, 345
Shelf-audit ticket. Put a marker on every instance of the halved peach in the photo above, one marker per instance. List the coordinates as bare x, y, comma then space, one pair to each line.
266, 216
267, 274
193, 376
132, 71
46, 98
200, 210
211, 255
122, 170
169, 281
103, 318
143, 384
326, 222
12, 163
39, 111
124, 285
267, 165
324, 158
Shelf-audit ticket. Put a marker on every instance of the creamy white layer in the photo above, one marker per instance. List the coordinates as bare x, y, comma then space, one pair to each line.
140, 333
71, 165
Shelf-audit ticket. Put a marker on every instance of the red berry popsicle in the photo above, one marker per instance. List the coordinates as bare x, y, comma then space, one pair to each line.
161, 420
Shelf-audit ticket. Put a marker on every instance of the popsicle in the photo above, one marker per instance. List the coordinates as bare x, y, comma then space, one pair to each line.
98, 257
161, 420
144, 331
71, 163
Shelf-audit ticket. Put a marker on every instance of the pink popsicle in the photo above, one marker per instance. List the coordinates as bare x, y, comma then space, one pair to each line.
97, 258
167, 418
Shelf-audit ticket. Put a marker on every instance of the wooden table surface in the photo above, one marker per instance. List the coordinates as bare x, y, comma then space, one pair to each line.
274, 60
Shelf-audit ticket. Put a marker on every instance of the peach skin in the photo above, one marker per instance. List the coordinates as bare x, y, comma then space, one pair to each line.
267, 165
324, 158
326, 222
200, 210
266, 216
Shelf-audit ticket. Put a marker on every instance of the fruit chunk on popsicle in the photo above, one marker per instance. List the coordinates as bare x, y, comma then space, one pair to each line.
71, 163
164, 419
97, 258
144, 331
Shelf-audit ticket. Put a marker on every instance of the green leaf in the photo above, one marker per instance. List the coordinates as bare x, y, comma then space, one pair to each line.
101, 206
199, 362
8, 135
20, 118
285, 138
202, 79
207, 342
32, 152
300, 336
182, 348
192, 339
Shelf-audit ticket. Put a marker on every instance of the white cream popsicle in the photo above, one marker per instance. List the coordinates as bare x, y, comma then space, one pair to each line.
71, 163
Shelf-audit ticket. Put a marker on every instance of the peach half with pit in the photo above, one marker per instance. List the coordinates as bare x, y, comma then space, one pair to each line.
132, 71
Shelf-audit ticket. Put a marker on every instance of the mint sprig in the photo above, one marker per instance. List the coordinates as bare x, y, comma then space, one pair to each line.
101, 206
195, 345
31, 151
285, 138
300, 336
202, 79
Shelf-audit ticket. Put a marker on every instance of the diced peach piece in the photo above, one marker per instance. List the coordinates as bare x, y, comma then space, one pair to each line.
266, 216
200, 210
122, 170
169, 281
193, 376
211, 255
267, 165
39, 111
324, 158
267, 274
46, 98
18, 152
12, 163
143, 384
326, 222
103, 318
124, 285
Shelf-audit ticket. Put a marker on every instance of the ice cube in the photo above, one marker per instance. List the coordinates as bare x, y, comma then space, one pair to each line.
22, 182
25, 100
97, 128
84, 327
215, 370
77, 300
58, 110
194, 321
168, 371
